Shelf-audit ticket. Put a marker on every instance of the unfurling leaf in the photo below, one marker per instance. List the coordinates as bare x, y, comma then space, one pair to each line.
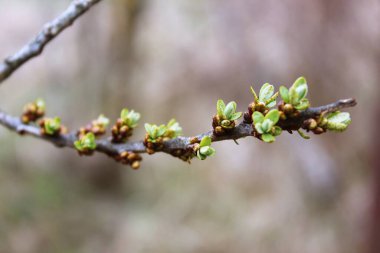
273, 115
206, 141
257, 117
266, 92
229, 109
220, 106
338, 121
284, 93
268, 138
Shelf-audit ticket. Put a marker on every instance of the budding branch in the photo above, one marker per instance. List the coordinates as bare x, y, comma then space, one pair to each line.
181, 143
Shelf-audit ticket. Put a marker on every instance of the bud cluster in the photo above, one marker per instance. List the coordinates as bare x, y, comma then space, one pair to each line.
86, 144
225, 119
97, 127
33, 111
124, 126
130, 158
52, 126
156, 135
262, 103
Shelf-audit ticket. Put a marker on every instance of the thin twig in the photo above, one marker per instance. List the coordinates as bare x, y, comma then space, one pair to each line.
48, 32
181, 143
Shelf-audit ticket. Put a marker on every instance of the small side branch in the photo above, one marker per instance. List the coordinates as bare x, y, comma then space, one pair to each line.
49, 32
181, 143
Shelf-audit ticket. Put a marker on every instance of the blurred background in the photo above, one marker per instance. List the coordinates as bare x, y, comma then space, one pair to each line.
175, 58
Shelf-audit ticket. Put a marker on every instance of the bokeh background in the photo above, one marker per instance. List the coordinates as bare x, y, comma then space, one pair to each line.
175, 58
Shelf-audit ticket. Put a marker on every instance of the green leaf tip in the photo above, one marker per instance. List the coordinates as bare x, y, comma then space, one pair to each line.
256, 98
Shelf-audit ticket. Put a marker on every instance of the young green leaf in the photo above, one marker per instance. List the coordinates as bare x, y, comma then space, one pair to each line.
266, 92
303, 104
338, 121
220, 106
276, 130
268, 138
173, 129
301, 87
267, 125
273, 115
149, 129
102, 120
161, 130
236, 116
124, 114
271, 101
206, 141
130, 118
259, 128
257, 117
284, 93
298, 91
229, 109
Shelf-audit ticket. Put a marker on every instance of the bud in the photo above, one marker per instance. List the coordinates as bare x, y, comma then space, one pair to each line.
135, 165
288, 108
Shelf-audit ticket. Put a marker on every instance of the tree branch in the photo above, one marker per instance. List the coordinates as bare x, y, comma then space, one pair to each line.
183, 144
49, 32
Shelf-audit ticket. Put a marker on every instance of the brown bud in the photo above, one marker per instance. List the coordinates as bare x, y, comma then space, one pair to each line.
219, 130
311, 124
318, 130
282, 115
251, 108
260, 107
215, 121
132, 156
119, 122
25, 119
150, 151
135, 165
247, 118
124, 154
194, 140
63, 130
124, 129
196, 147
288, 108
281, 106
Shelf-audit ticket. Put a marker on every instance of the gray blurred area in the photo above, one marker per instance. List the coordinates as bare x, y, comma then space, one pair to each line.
175, 58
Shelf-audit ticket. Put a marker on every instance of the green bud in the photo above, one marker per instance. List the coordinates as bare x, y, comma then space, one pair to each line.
52, 126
